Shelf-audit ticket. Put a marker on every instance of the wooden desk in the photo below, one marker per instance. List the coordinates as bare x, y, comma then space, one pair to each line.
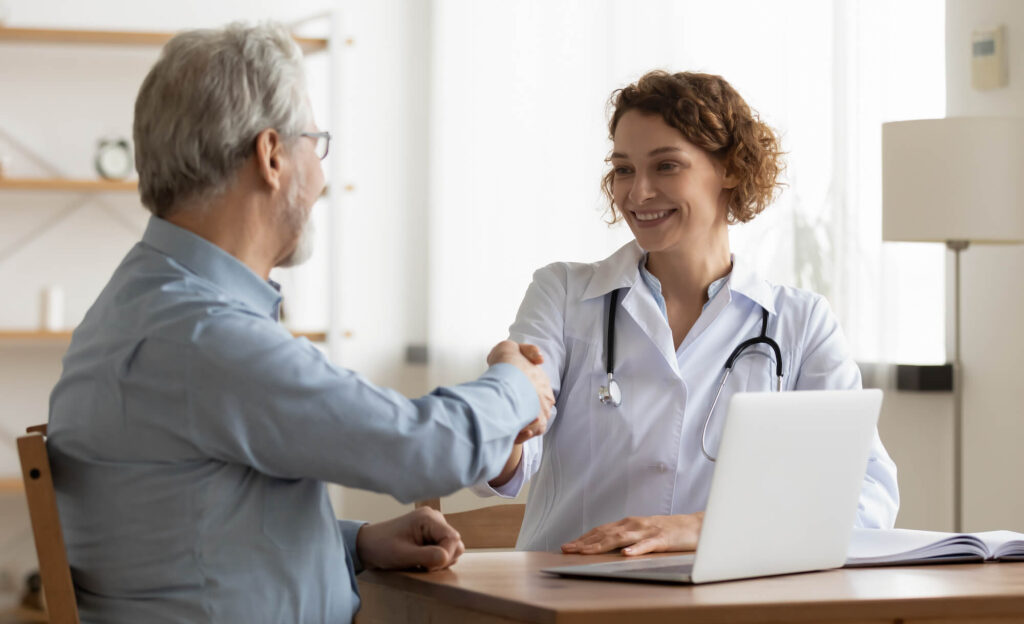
504, 587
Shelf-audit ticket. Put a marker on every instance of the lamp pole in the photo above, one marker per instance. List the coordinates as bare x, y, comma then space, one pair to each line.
957, 246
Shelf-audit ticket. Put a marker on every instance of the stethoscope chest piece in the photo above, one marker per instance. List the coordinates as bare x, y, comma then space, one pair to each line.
610, 394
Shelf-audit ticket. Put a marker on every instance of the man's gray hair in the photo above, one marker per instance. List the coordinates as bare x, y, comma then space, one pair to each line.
203, 103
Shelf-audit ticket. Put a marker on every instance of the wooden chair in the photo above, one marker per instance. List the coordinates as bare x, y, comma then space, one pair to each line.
487, 527
42, 507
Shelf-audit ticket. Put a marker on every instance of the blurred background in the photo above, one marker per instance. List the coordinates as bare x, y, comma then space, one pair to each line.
469, 144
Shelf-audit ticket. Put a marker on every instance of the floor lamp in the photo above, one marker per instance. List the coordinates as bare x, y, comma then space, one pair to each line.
959, 181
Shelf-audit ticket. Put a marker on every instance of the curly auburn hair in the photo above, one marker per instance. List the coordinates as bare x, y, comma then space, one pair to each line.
711, 115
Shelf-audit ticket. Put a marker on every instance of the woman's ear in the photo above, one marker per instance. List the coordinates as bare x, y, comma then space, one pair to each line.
269, 153
729, 180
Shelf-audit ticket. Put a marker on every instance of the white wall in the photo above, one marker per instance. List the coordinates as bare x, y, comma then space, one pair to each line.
992, 335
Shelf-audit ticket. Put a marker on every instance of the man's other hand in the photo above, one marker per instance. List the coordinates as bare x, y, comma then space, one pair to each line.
421, 538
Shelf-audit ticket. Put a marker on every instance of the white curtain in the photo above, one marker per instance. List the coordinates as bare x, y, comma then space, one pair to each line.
518, 139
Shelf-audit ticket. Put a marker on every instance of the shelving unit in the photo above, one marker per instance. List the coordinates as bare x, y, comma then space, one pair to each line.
309, 45
64, 184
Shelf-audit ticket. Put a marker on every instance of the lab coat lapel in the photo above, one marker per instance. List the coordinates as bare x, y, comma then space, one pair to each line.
622, 270
640, 305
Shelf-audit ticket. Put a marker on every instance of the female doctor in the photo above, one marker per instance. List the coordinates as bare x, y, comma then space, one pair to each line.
630, 467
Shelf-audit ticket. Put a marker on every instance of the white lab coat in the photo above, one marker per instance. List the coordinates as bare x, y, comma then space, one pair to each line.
599, 463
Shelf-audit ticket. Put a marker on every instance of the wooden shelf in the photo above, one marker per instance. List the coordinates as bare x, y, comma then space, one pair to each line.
117, 37
65, 336
65, 184
12, 484
34, 336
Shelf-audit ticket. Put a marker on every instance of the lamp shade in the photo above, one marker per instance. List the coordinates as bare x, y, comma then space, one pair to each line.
958, 178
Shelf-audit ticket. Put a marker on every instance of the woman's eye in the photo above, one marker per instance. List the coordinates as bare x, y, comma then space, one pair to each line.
620, 170
668, 166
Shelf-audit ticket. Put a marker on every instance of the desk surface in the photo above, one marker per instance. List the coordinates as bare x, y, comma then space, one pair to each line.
501, 587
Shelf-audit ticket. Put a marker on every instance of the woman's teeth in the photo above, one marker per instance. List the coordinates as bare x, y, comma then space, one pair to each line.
651, 216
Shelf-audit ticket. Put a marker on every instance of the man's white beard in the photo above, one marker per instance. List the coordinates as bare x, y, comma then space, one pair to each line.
303, 248
307, 234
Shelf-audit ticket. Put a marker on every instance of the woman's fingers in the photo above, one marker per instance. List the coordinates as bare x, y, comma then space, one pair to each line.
610, 536
531, 352
644, 546
640, 535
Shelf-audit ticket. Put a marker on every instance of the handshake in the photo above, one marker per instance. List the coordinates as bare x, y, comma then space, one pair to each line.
527, 358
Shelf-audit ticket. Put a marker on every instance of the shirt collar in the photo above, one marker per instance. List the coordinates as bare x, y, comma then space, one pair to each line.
213, 264
745, 281
617, 271
622, 269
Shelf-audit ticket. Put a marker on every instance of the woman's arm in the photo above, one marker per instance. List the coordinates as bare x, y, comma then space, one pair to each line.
539, 323
826, 364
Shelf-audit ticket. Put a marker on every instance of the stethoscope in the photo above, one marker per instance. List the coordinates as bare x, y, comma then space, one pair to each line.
611, 394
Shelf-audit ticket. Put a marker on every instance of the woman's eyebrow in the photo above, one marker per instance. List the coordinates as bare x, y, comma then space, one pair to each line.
653, 152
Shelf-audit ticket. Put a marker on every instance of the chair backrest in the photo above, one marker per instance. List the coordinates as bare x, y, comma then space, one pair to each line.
42, 508
488, 527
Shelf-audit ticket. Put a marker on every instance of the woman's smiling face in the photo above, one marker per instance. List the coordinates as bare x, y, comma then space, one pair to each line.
670, 191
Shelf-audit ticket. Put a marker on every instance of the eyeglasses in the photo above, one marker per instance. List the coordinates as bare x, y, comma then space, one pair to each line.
323, 142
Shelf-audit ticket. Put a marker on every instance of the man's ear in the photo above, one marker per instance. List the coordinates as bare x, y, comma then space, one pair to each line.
269, 155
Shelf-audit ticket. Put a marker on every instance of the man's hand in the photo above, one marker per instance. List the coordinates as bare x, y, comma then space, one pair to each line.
421, 538
527, 357
638, 536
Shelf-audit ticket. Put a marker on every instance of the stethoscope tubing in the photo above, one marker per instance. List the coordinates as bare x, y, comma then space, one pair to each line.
611, 395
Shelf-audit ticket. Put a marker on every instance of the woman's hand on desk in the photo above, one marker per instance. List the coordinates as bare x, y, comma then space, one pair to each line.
641, 535
421, 538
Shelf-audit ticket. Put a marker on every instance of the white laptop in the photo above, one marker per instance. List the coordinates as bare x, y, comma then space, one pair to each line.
784, 493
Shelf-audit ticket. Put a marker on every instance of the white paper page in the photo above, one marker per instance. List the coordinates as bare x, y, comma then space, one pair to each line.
999, 542
907, 544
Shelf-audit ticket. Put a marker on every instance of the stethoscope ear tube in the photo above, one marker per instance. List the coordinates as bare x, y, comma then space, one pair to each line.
610, 394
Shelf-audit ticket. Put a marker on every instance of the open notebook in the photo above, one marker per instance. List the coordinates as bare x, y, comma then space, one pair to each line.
879, 547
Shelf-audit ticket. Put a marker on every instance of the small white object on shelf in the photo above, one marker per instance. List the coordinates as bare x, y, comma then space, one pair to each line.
114, 159
52, 308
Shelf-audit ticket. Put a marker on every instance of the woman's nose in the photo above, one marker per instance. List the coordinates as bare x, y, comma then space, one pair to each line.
642, 189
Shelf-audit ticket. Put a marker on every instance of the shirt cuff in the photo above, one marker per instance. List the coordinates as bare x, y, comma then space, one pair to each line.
349, 531
509, 489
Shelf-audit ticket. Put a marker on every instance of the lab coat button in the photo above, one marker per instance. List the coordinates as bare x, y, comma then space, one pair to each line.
661, 467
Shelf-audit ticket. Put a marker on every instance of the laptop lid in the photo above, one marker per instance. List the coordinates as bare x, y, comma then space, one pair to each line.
784, 492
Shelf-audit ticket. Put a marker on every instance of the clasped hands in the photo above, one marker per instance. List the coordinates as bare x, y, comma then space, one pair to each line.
527, 358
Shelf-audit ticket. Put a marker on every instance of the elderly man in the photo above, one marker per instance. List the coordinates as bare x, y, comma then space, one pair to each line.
190, 434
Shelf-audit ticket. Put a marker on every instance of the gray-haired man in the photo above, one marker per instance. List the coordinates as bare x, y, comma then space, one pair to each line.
190, 434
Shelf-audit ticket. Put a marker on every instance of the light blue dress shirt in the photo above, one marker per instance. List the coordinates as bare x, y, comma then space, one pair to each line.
191, 436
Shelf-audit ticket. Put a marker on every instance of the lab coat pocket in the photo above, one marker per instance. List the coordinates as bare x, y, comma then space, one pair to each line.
612, 429
754, 371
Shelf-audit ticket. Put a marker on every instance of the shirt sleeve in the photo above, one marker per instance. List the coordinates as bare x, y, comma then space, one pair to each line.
540, 321
349, 533
259, 397
827, 365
